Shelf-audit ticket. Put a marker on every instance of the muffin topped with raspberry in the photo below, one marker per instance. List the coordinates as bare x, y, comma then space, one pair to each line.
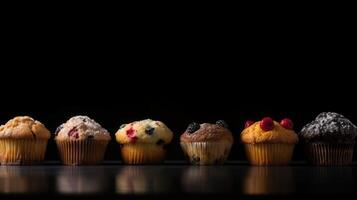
268, 142
269, 131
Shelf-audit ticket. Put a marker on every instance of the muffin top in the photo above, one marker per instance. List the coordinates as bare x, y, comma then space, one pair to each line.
144, 131
329, 127
24, 127
269, 131
207, 132
81, 128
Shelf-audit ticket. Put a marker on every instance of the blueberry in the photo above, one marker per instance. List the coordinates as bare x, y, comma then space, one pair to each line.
222, 123
149, 130
193, 127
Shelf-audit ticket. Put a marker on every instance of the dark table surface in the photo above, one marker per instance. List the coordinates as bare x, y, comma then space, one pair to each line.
177, 179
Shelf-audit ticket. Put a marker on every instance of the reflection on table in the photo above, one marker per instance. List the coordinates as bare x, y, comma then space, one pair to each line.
82, 180
207, 179
145, 179
268, 180
16, 179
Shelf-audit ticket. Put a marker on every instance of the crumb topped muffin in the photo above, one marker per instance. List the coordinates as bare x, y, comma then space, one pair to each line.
23, 140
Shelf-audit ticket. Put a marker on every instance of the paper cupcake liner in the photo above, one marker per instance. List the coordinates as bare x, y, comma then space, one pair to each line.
142, 153
22, 151
207, 153
329, 154
269, 154
81, 152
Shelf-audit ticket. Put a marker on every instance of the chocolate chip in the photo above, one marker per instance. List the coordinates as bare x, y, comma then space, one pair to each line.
160, 142
149, 130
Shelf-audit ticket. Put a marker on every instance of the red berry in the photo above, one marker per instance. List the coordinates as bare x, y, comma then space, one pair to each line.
130, 132
267, 124
248, 123
73, 133
287, 123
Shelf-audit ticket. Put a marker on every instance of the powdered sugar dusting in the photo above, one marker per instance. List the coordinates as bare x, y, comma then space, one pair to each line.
330, 125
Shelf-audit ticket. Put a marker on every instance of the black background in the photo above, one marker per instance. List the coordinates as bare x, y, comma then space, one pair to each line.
117, 72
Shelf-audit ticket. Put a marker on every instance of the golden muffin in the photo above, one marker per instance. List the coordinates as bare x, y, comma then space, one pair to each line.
23, 140
268, 142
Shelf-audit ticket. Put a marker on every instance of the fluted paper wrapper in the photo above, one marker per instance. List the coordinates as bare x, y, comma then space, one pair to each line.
329, 154
22, 151
81, 152
269, 154
207, 153
142, 153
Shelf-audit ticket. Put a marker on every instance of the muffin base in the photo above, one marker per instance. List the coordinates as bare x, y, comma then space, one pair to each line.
142, 153
207, 153
81, 152
325, 154
269, 154
22, 151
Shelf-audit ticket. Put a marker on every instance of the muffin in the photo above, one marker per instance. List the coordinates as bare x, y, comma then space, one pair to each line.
268, 142
329, 139
142, 142
23, 141
81, 141
207, 144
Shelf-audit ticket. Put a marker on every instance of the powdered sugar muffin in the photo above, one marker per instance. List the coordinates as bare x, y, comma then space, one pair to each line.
143, 141
81, 140
23, 140
329, 139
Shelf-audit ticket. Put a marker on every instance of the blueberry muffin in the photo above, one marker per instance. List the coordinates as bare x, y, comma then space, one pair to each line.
329, 139
142, 142
23, 141
268, 142
81, 141
207, 144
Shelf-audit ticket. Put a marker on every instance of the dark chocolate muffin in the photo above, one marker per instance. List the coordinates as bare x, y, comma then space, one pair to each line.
329, 139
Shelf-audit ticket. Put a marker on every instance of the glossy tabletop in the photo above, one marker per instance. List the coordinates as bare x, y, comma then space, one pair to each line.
176, 179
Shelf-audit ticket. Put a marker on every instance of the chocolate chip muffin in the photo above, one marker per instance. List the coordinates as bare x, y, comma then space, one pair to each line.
329, 139
81, 141
207, 144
